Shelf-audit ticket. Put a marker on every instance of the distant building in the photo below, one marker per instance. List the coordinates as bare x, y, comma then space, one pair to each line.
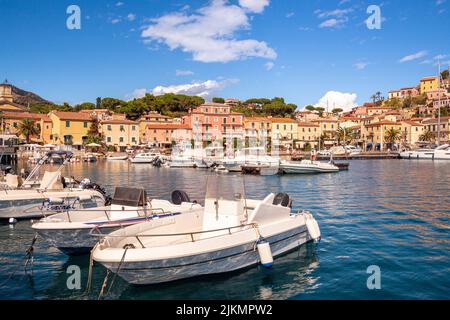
432, 125
7, 103
164, 135
307, 133
428, 84
284, 130
411, 132
11, 122
120, 133
215, 121
70, 128
404, 93
257, 128
151, 118
232, 102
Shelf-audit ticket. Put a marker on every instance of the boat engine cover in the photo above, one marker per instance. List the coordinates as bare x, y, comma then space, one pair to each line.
178, 197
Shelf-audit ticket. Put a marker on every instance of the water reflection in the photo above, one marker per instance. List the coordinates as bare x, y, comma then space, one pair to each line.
395, 214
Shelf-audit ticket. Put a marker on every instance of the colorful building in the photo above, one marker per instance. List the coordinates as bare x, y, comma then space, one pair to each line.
411, 132
284, 130
215, 121
120, 133
70, 128
375, 132
432, 125
429, 84
257, 128
11, 122
165, 135
307, 133
7, 103
151, 118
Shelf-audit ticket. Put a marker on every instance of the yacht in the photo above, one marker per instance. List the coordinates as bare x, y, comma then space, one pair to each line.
144, 157
440, 153
229, 233
70, 231
307, 166
249, 156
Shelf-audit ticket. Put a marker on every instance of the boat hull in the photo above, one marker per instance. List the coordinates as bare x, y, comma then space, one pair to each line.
297, 169
220, 261
425, 155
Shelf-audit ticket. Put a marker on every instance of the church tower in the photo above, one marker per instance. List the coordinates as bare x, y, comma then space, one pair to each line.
6, 92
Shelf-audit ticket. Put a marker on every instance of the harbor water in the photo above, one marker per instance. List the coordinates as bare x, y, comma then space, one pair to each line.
393, 214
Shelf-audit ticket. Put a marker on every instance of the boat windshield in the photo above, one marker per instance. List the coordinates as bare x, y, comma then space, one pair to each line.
225, 188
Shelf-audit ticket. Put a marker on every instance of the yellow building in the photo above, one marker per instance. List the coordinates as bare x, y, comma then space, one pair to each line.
307, 133
11, 122
376, 132
411, 132
120, 133
257, 128
284, 130
328, 129
70, 128
428, 84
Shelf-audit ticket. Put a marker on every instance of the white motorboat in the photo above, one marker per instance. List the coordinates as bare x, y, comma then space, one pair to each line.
70, 231
145, 157
307, 166
263, 169
230, 233
182, 162
117, 158
249, 156
440, 153
89, 157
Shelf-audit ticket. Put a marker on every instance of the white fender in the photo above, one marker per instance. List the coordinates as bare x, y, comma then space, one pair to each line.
54, 200
265, 254
313, 227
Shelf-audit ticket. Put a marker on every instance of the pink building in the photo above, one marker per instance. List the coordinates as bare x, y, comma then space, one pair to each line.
214, 121
404, 93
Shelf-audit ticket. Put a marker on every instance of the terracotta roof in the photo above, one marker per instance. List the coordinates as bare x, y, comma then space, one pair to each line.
25, 115
307, 124
324, 120
382, 123
428, 78
13, 104
412, 123
257, 119
95, 110
435, 120
154, 115
76, 116
281, 120
169, 126
119, 121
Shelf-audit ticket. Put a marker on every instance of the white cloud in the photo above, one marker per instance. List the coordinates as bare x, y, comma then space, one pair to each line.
414, 56
115, 21
184, 72
439, 2
256, 6
361, 65
333, 23
131, 17
206, 89
209, 34
290, 15
269, 65
136, 94
119, 4
334, 13
336, 99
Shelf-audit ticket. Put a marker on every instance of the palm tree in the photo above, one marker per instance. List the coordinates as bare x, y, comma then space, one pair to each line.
392, 135
345, 134
27, 129
426, 136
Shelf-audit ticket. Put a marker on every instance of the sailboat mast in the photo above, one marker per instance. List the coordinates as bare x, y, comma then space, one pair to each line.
439, 103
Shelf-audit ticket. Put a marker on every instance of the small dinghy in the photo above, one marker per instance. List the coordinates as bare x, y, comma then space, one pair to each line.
117, 158
70, 231
228, 234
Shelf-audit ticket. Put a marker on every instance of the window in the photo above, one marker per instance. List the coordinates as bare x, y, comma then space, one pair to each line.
15, 124
85, 124
108, 139
133, 128
121, 139
133, 139
109, 127
122, 128
67, 124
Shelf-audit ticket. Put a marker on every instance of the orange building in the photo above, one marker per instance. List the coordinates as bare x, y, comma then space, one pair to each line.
11, 122
163, 135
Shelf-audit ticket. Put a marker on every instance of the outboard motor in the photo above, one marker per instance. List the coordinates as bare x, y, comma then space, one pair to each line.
87, 184
178, 197
283, 200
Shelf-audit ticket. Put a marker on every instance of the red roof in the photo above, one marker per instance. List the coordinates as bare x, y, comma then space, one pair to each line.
307, 124
76, 116
169, 126
119, 121
25, 115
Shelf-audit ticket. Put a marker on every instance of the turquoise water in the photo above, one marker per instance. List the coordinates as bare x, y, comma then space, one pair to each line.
391, 213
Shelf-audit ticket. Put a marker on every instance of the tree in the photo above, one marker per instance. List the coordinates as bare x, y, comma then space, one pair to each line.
84, 106
320, 110
427, 136
218, 100
345, 135
27, 129
336, 111
445, 74
392, 135
310, 108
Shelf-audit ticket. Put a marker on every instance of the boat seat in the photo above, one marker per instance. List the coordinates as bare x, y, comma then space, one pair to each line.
178, 197
282, 199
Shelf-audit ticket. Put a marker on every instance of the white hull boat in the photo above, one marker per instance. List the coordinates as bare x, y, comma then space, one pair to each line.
261, 169
228, 234
144, 157
71, 231
440, 153
248, 156
307, 166
117, 158
182, 162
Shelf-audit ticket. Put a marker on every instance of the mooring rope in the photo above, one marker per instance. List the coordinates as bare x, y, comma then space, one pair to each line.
126, 247
91, 264
28, 256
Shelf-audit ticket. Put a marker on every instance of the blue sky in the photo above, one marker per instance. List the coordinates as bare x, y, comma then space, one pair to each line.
299, 50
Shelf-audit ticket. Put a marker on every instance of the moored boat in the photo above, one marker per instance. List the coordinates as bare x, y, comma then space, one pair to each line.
230, 233
307, 166
440, 153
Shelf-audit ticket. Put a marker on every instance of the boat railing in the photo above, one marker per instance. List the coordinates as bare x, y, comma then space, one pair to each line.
190, 234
